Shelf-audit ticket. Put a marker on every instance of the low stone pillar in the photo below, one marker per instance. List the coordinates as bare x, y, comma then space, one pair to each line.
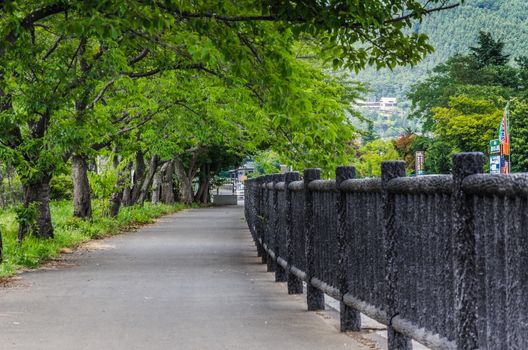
391, 170
314, 297
350, 318
295, 285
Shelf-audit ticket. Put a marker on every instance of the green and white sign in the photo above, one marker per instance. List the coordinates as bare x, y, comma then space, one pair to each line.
495, 146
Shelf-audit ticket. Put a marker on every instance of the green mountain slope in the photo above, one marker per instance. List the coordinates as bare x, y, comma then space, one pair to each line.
452, 32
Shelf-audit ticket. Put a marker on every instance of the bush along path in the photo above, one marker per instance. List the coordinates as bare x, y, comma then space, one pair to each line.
69, 232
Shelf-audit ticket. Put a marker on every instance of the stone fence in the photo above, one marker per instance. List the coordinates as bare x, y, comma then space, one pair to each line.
441, 259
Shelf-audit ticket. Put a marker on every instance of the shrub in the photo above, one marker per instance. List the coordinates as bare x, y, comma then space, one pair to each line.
61, 187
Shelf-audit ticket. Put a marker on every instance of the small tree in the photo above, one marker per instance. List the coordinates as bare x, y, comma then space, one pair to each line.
489, 51
372, 155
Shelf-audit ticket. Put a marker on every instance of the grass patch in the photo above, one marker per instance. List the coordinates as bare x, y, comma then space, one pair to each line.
69, 232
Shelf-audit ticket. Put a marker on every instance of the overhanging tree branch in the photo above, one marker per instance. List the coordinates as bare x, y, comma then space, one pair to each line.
144, 74
42, 13
425, 11
242, 18
29, 20
101, 93
52, 48
139, 57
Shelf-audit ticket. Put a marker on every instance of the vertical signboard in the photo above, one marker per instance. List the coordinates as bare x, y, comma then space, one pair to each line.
495, 164
420, 163
495, 157
495, 146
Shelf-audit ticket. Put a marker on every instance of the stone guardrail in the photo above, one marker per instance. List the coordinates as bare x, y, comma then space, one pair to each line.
441, 259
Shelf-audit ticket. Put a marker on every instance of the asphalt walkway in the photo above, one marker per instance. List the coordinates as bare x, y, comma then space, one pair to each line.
190, 281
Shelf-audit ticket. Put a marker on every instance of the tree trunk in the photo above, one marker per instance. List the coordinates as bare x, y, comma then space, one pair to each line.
38, 192
202, 195
127, 196
127, 192
138, 177
167, 184
156, 187
186, 190
186, 177
82, 202
205, 194
10, 185
147, 182
2, 190
115, 202
117, 197
1, 248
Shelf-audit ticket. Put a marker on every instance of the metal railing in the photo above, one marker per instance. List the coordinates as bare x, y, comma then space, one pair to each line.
441, 259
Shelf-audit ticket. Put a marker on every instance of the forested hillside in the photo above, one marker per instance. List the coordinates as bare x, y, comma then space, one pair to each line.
454, 31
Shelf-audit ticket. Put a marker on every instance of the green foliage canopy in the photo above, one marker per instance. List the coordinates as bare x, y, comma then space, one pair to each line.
468, 125
371, 155
78, 77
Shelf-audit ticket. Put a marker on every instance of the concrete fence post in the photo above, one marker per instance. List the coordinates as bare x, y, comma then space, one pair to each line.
350, 318
464, 251
260, 217
271, 263
255, 198
314, 297
280, 272
391, 170
295, 285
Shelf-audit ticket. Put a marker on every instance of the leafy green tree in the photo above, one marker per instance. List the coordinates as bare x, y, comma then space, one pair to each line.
405, 145
519, 135
468, 125
61, 60
437, 88
467, 109
312, 129
484, 74
439, 157
267, 162
370, 134
52, 63
371, 155
489, 52
460, 76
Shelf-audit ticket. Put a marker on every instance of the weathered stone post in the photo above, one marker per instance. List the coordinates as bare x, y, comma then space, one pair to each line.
268, 221
314, 296
464, 251
261, 180
295, 285
391, 170
350, 318
280, 272
251, 197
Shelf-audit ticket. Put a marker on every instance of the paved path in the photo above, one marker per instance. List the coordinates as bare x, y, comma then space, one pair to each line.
190, 281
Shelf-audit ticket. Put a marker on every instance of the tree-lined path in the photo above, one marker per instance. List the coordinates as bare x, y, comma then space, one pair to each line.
190, 281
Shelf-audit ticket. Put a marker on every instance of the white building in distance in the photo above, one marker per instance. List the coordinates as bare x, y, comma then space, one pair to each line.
385, 104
